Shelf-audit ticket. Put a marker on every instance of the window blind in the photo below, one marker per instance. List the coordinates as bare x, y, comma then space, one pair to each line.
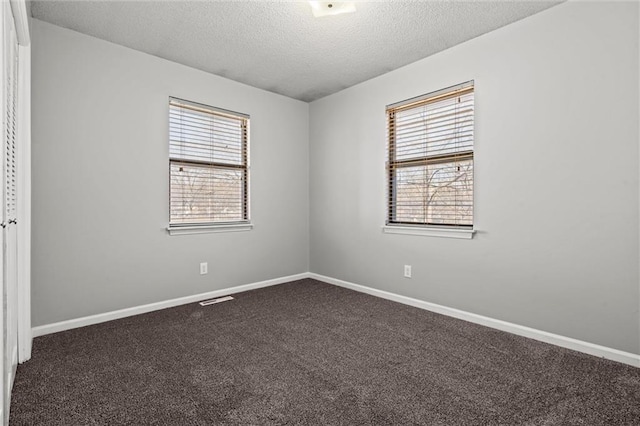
430, 158
208, 164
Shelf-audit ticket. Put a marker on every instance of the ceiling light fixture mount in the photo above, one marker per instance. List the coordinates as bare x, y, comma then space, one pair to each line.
328, 8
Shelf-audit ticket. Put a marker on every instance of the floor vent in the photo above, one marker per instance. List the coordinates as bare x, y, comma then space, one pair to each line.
214, 301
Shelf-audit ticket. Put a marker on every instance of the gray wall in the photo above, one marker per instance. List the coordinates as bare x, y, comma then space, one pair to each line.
556, 199
100, 181
556, 180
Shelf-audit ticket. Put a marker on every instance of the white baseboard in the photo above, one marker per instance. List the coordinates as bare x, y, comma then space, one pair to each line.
532, 333
122, 313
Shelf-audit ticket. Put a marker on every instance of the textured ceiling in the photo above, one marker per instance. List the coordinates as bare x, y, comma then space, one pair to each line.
279, 46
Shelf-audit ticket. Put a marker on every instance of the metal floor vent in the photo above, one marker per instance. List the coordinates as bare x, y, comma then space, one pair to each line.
214, 301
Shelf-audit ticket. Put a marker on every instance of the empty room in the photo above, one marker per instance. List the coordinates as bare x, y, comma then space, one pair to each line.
307, 212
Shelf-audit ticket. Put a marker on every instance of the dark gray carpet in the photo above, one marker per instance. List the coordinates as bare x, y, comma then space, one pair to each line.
310, 353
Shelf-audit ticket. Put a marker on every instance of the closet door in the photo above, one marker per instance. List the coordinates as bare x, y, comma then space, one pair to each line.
9, 206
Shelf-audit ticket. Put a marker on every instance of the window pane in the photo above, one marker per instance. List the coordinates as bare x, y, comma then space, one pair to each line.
204, 194
434, 194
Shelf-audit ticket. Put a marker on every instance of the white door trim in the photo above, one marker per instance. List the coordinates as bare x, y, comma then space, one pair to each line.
24, 203
19, 9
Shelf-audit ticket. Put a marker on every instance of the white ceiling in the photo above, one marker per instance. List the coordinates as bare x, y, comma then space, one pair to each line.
278, 45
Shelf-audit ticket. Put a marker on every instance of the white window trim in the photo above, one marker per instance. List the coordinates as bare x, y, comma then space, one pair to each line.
208, 228
422, 229
244, 224
430, 231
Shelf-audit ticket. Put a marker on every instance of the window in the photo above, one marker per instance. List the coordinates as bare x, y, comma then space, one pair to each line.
208, 166
430, 159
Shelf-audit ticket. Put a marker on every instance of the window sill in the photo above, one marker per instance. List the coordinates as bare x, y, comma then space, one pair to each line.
429, 231
207, 229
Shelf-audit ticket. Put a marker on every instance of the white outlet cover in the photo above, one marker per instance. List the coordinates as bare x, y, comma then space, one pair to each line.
407, 271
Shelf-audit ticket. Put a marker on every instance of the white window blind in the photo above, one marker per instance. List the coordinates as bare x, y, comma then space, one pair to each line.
430, 159
208, 162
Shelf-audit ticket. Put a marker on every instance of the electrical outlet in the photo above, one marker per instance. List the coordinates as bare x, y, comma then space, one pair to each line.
204, 269
407, 271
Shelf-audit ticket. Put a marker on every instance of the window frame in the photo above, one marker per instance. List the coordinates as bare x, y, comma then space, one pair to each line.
243, 224
394, 226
